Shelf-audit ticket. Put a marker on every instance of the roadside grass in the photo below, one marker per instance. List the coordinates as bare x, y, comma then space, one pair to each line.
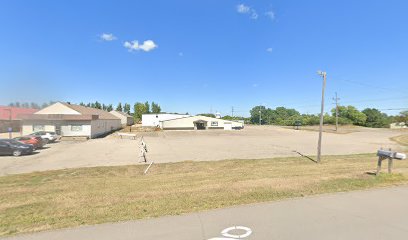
401, 139
343, 129
72, 197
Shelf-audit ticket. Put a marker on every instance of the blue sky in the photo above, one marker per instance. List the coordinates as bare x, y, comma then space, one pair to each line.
194, 56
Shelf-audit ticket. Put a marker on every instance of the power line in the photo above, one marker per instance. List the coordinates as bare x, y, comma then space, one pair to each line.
370, 85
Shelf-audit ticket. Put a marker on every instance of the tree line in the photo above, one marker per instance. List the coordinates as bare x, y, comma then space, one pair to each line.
30, 105
369, 117
139, 108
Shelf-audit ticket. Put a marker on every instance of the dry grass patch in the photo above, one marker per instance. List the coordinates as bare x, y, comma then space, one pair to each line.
66, 198
401, 139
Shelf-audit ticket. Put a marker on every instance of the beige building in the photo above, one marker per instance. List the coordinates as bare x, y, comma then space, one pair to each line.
200, 123
69, 120
125, 118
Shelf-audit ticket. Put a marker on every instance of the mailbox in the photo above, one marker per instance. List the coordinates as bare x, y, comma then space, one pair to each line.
390, 155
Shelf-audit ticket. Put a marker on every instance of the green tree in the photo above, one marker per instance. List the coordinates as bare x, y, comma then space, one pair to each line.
355, 116
375, 118
126, 108
34, 105
402, 117
139, 110
97, 105
258, 112
109, 108
156, 108
207, 115
119, 107
147, 107
44, 105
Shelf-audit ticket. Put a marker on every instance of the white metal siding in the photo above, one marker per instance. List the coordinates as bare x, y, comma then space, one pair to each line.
100, 127
153, 120
188, 123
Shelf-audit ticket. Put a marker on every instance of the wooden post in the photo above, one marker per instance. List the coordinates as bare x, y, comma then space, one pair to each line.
390, 165
379, 166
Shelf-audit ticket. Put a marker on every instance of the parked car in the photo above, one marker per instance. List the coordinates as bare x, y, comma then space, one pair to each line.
50, 136
37, 142
14, 147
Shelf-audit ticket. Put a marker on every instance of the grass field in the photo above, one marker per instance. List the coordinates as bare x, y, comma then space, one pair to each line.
402, 139
67, 198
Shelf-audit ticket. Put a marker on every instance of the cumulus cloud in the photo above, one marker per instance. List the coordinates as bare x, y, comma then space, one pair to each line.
244, 9
269, 49
107, 37
241, 8
147, 45
270, 14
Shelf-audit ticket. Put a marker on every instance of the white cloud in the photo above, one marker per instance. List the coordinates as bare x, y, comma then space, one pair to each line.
244, 9
255, 85
269, 49
181, 54
254, 15
147, 45
270, 14
107, 37
241, 8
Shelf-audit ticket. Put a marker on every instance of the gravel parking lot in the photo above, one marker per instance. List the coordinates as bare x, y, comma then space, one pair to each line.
173, 146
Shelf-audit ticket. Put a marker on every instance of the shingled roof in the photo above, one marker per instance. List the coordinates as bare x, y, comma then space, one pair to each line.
91, 111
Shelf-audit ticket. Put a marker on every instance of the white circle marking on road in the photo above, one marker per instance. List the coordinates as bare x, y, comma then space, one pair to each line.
226, 231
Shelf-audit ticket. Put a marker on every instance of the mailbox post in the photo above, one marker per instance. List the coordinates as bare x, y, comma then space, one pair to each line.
390, 155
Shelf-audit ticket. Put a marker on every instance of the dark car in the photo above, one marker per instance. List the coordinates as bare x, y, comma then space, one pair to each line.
14, 147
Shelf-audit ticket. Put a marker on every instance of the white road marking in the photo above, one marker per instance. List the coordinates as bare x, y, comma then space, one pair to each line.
228, 236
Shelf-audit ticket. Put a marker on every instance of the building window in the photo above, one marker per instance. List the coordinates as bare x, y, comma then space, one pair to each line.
214, 124
76, 128
37, 128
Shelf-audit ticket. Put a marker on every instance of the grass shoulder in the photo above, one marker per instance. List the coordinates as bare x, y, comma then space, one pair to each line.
72, 197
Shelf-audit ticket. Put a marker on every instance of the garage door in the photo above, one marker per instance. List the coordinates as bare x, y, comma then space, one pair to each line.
227, 125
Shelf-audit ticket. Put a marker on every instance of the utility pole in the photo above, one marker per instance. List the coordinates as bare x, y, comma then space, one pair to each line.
260, 115
232, 111
336, 99
319, 144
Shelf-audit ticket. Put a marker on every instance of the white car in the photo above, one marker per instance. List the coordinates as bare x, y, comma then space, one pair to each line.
50, 136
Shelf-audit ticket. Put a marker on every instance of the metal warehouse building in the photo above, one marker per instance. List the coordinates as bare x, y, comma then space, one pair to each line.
200, 123
154, 119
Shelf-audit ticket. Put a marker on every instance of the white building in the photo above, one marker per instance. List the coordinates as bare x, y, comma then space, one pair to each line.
71, 120
125, 118
154, 119
200, 123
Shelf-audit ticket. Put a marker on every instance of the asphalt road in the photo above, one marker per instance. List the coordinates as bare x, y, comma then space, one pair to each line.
374, 214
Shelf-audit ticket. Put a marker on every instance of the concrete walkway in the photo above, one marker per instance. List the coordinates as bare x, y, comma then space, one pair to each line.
374, 214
